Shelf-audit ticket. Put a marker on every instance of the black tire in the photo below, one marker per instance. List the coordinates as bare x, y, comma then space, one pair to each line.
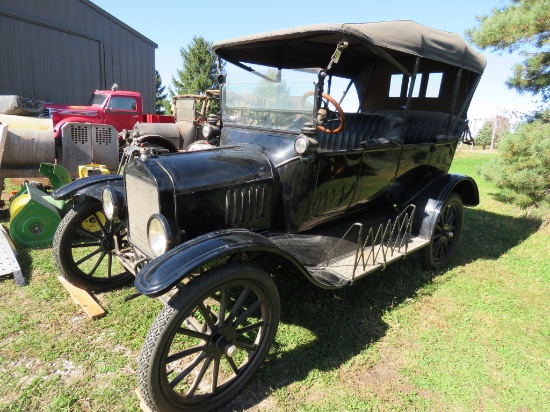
445, 235
82, 248
196, 359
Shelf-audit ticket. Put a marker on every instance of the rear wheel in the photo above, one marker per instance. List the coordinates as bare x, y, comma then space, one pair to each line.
83, 245
446, 234
210, 340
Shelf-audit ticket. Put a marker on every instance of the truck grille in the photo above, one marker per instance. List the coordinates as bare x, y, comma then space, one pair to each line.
142, 199
79, 133
103, 135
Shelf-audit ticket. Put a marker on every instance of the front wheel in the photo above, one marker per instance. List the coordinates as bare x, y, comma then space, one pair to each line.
210, 340
83, 246
446, 234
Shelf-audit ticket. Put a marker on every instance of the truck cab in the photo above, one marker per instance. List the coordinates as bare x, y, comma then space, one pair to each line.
119, 108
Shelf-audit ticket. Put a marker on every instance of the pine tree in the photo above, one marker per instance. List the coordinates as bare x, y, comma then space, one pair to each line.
485, 134
199, 68
161, 101
523, 25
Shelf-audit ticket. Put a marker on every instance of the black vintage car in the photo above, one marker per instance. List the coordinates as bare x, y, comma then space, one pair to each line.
335, 146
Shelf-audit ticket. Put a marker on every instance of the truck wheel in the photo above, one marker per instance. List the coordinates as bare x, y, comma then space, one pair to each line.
210, 340
445, 235
82, 248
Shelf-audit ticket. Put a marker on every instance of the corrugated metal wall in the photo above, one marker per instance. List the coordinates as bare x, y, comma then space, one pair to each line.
62, 50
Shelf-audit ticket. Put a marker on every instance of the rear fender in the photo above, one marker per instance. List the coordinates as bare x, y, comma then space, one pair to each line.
430, 200
89, 186
161, 274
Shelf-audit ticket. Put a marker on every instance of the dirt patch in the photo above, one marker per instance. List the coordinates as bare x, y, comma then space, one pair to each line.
384, 379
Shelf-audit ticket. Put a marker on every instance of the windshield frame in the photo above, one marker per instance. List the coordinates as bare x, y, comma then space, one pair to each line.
277, 100
94, 98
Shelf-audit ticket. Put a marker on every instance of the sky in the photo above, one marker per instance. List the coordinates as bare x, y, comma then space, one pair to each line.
171, 24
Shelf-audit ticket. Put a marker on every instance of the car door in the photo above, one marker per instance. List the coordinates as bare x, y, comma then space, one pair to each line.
121, 112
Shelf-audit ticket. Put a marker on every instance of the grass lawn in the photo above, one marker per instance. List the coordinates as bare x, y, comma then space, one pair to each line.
474, 336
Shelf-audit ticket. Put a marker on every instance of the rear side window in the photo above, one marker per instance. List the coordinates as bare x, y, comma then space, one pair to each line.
434, 85
396, 84
122, 103
427, 85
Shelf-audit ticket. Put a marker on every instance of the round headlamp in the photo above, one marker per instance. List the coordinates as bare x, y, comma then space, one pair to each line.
301, 144
162, 234
210, 130
112, 201
304, 144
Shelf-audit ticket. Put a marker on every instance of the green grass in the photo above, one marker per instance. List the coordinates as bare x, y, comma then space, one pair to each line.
474, 336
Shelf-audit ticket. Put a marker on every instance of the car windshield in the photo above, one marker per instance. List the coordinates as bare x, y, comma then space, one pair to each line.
97, 100
269, 98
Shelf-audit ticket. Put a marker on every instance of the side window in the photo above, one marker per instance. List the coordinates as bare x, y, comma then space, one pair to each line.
399, 82
434, 85
417, 83
396, 84
339, 85
122, 103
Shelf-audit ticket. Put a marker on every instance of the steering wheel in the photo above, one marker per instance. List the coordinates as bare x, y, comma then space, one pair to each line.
341, 116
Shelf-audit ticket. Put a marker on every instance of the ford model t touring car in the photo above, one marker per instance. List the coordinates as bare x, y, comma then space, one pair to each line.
335, 146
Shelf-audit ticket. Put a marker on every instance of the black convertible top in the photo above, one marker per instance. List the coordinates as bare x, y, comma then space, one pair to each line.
309, 46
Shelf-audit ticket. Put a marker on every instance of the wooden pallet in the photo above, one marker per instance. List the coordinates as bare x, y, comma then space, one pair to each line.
83, 299
142, 403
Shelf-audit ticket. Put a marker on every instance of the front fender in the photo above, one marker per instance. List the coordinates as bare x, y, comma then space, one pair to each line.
161, 274
73, 119
430, 200
89, 186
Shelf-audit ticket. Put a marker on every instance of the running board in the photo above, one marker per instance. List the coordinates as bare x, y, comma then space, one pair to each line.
381, 245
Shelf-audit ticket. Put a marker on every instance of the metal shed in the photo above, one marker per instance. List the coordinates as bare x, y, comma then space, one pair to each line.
62, 50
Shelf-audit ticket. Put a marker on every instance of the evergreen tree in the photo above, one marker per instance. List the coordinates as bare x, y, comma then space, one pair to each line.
485, 134
199, 69
523, 25
522, 170
161, 101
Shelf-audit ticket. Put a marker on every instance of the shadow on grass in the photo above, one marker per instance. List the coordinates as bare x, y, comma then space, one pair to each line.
345, 322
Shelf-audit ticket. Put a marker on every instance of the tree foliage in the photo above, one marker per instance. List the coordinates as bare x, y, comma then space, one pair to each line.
523, 168
523, 25
199, 72
485, 134
161, 103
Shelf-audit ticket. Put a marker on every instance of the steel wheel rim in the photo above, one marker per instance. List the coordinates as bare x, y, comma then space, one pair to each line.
445, 232
225, 352
91, 251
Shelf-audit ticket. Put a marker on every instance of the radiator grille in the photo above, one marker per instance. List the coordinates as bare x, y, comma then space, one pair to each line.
79, 134
143, 201
103, 135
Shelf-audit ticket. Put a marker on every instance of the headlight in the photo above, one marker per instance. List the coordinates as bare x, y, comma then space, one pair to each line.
162, 234
304, 144
112, 201
210, 130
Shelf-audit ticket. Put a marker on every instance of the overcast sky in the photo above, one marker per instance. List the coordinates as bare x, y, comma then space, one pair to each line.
173, 23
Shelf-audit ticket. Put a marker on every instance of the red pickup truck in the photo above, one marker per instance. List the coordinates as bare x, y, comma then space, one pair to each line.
120, 108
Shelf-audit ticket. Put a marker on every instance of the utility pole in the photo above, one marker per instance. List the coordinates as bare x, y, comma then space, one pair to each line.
495, 120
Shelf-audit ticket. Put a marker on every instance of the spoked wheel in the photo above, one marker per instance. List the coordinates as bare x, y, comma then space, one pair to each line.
83, 245
446, 234
210, 340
